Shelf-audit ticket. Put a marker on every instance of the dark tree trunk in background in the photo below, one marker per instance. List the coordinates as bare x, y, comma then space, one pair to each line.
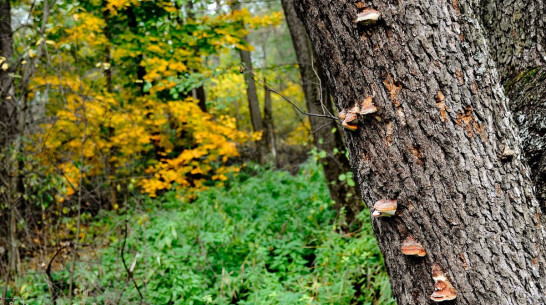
110, 165
251, 92
107, 52
201, 96
133, 27
440, 143
253, 103
252, 96
199, 93
517, 36
318, 101
269, 125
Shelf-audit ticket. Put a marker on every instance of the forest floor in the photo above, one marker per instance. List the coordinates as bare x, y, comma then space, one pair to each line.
266, 237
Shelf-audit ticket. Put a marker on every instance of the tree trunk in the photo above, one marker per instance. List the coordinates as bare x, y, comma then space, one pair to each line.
442, 143
7, 96
517, 36
527, 95
107, 53
10, 116
252, 95
269, 125
110, 165
133, 27
199, 93
318, 100
251, 92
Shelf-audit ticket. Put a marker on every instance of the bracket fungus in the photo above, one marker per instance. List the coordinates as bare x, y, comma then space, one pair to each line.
349, 117
367, 106
349, 126
384, 208
443, 291
412, 247
342, 114
367, 16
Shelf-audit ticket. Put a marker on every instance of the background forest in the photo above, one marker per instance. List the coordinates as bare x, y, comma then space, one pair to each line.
174, 152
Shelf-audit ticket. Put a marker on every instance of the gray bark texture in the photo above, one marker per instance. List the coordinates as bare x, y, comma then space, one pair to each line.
442, 143
318, 101
527, 94
516, 32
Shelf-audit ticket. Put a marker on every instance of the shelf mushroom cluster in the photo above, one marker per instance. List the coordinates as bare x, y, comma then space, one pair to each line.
412, 247
349, 117
385, 208
443, 290
367, 16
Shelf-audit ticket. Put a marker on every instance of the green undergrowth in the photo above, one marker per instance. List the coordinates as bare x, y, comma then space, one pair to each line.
268, 237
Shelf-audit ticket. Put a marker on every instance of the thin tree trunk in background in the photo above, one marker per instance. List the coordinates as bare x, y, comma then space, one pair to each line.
201, 96
199, 93
318, 100
269, 125
110, 166
517, 36
107, 52
442, 143
251, 92
252, 96
133, 26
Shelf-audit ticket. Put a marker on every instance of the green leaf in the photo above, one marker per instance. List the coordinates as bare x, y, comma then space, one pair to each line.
147, 87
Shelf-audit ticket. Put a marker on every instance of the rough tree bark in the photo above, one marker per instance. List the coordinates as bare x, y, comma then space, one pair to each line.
10, 115
317, 98
443, 143
7, 96
517, 36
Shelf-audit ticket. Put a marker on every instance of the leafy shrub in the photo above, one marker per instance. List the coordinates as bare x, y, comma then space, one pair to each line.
267, 239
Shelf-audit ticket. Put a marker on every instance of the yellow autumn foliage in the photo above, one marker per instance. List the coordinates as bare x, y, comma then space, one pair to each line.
146, 128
